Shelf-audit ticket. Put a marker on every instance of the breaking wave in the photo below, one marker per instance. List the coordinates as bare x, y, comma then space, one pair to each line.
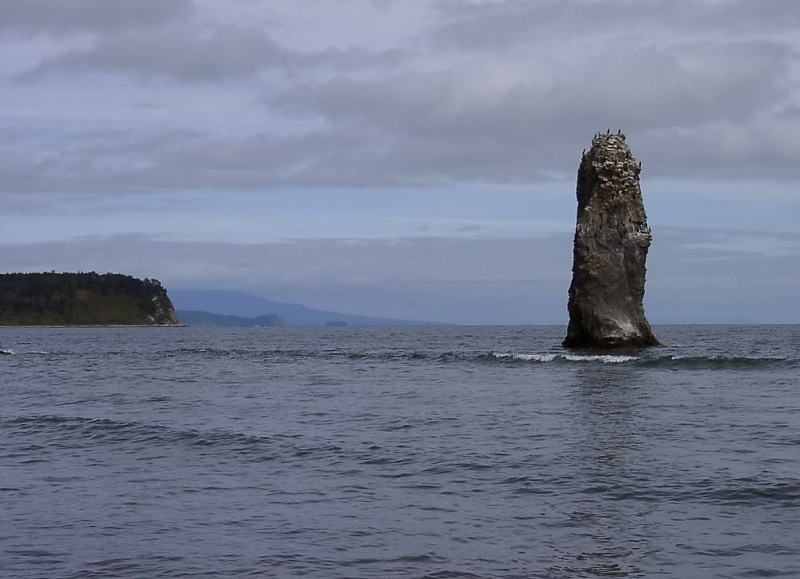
672, 362
641, 359
558, 358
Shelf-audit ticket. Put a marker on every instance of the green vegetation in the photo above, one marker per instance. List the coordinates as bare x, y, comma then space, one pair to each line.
82, 299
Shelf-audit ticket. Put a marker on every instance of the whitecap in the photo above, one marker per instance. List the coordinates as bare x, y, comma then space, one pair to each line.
604, 358
524, 357
545, 358
535, 357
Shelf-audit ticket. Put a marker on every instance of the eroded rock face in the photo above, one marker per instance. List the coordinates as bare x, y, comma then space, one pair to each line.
611, 243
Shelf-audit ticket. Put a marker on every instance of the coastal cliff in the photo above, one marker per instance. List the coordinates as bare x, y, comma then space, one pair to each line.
611, 243
83, 299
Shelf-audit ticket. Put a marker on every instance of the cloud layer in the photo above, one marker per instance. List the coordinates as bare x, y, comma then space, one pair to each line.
94, 16
178, 94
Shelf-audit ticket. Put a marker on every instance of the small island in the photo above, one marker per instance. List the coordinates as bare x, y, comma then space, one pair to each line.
83, 299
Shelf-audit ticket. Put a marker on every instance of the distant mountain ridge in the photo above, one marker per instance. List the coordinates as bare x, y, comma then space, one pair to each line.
193, 318
245, 305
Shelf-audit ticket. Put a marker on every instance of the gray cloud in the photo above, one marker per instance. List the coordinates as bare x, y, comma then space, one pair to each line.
514, 121
58, 16
450, 127
227, 53
224, 53
130, 161
491, 92
511, 24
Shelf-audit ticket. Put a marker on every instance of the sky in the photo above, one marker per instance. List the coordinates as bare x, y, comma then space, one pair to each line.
402, 158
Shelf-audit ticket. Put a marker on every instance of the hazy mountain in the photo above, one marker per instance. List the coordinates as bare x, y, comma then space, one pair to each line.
242, 304
193, 318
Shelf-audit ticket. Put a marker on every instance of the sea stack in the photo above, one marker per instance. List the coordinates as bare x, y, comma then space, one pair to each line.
611, 243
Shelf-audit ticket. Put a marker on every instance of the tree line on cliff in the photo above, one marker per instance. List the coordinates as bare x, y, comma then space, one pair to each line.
82, 299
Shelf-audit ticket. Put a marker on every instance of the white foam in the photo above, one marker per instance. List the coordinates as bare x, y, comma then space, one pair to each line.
605, 358
535, 357
525, 357
6, 352
544, 358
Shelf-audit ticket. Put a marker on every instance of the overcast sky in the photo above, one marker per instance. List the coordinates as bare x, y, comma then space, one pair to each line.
402, 158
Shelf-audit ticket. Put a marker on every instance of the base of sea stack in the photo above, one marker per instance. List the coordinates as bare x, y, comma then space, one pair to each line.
578, 338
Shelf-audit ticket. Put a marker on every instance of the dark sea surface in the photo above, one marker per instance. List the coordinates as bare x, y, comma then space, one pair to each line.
435, 452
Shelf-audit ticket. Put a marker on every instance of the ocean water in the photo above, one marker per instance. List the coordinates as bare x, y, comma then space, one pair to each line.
449, 452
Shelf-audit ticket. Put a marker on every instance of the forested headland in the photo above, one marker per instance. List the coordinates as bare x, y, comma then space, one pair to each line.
82, 299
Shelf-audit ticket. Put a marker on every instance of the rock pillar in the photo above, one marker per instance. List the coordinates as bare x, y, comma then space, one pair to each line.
611, 243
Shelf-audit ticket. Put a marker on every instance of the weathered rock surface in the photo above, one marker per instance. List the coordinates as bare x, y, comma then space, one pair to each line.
611, 243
